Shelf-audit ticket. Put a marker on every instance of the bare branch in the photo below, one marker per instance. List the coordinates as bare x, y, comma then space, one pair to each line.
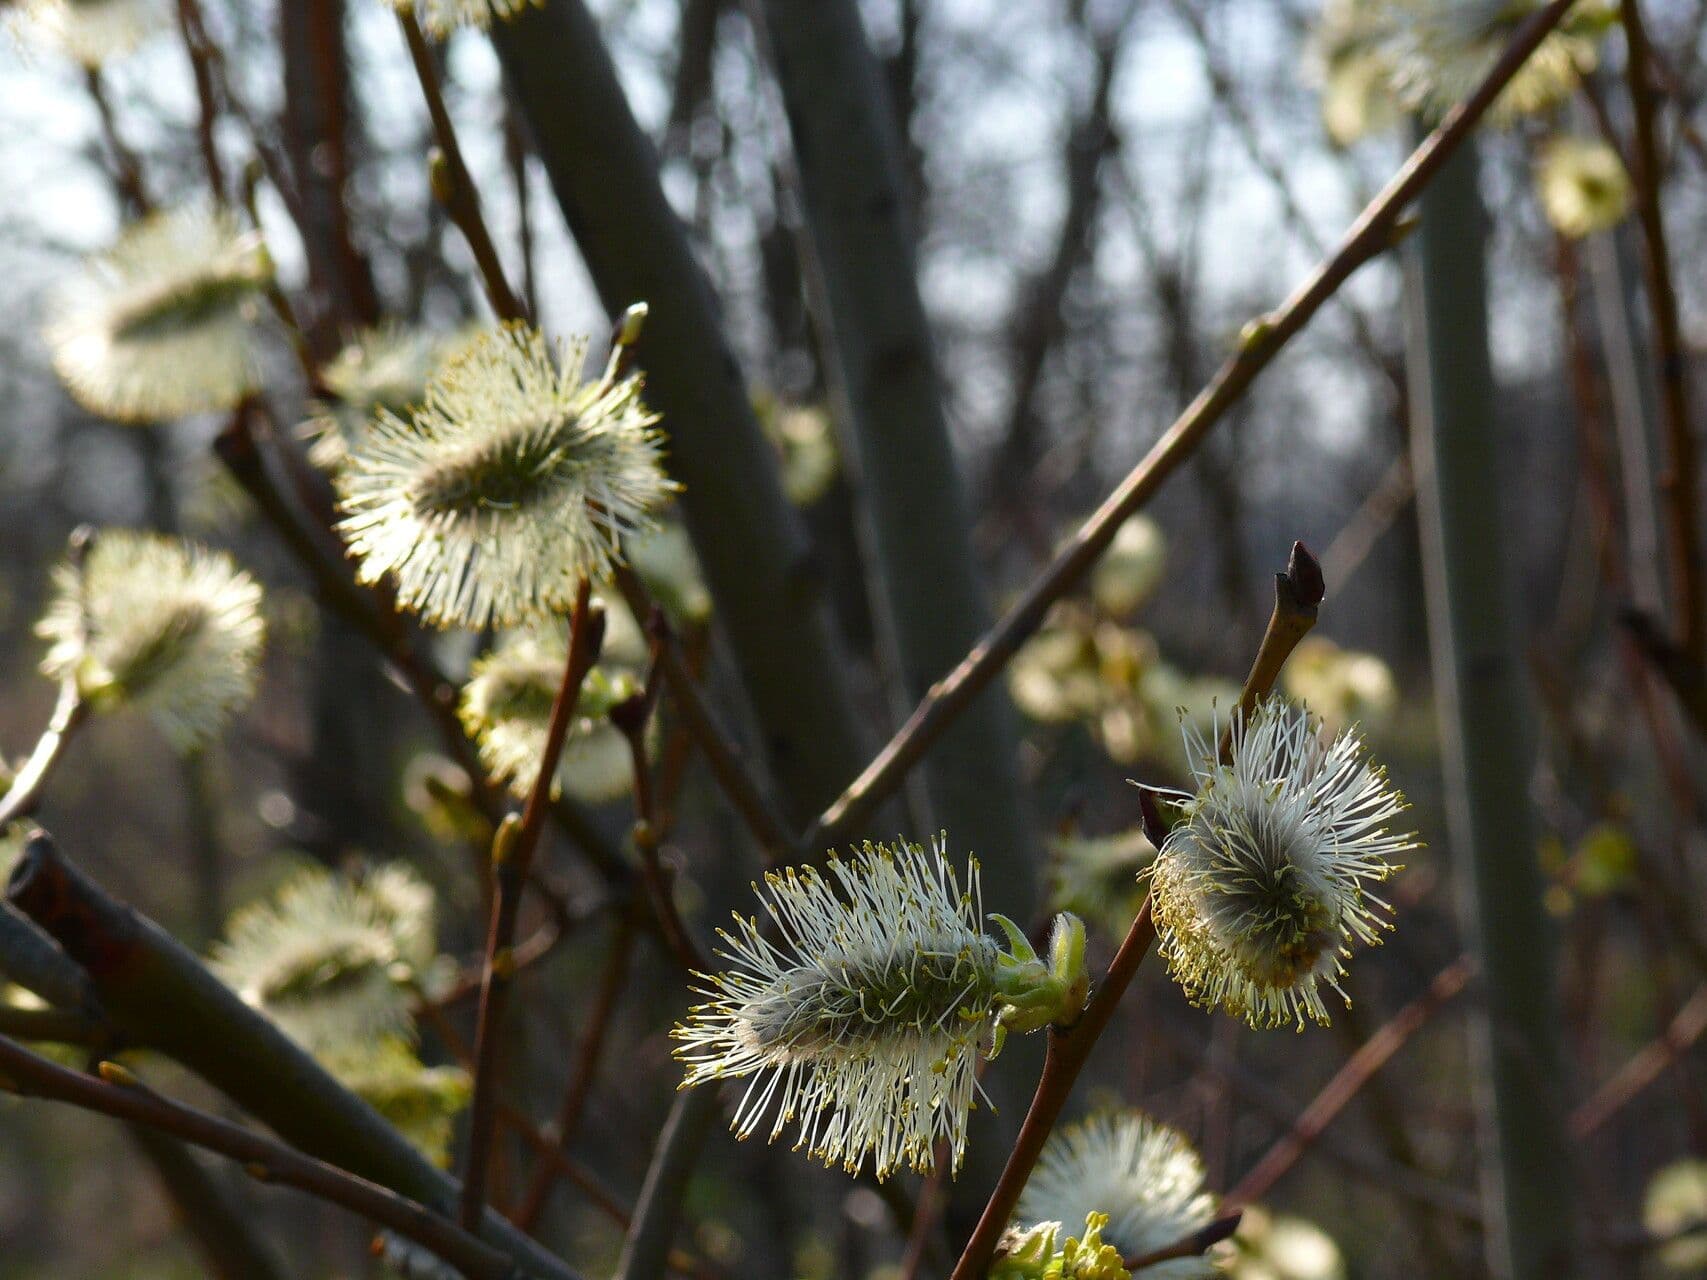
512, 852
264, 1159
157, 995
1368, 237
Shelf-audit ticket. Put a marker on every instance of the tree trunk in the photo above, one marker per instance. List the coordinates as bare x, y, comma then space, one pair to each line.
1484, 739
858, 263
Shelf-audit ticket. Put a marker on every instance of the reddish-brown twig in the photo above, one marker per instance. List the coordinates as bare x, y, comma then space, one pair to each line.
1377, 513
512, 851
1678, 483
199, 49
1198, 1242
1065, 1057
580, 1083
721, 755
1643, 1069
630, 719
1297, 596
453, 187
1297, 593
125, 170
927, 1212
1376, 1052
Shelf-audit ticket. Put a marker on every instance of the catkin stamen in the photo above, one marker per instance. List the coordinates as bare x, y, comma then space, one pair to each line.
137, 658
174, 305
510, 470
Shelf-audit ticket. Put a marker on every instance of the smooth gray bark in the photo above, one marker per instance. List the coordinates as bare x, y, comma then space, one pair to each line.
858, 260
1485, 742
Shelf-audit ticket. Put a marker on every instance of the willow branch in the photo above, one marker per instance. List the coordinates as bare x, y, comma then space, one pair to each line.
1296, 590
157, 995
370, 613
453, 186
265, 1159
226, 1236
1646, 1067
721, 755
69, 711
646, 1248
580, 1083
513, 851
1251, 1087
1198, 1242
1356, 1072
1376, 514
1227, 97
516, 154
197, 47
630, 718
750, 540
126, 171
1372, 233
214, 93
1678, 482
31, 959
47, 1025
1065, 1058
283, 309
1297, 595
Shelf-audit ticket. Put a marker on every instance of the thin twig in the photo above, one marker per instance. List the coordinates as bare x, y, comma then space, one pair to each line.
265, 1159
546, 1148
1197, 1243
226, 1233
630, 718
283, 309
215, 94
1375, 1053
927, 1213
1368, 237
1297, 591
1398, 1180
126, 172
22, 797
47, 1025
1227, 96
1376, 514
721, 755
533, 950
370, 612
1643, 1069
1640, 640
516, 153
512, 851
453, 186
580, 1083
1065, 1057
1297, 596
1678, 481
197, 47
647, 1244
